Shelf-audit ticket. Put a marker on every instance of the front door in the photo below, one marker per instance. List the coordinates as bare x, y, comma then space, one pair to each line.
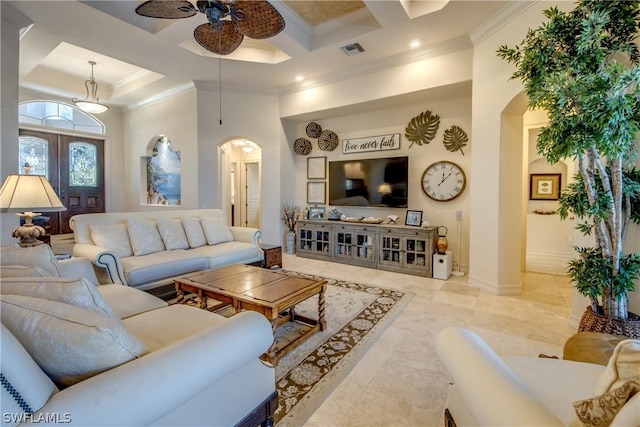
73, 165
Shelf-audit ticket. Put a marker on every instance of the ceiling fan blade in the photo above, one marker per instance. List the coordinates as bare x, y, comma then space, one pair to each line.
220, 39
166, 9
257, 19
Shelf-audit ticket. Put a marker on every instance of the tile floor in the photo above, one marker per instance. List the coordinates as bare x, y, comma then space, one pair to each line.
399, 381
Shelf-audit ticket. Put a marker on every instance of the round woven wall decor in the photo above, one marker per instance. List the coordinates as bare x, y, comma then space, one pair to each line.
302, 146
328, 140
313, 130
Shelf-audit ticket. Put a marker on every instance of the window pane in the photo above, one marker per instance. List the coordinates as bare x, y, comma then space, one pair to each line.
58, 115
34, 153
83, 165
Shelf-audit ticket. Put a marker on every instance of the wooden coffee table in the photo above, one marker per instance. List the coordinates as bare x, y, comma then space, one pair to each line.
273, 294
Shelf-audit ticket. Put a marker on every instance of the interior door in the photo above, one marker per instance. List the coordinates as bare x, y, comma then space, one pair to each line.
73, 165
253, 195
81, 177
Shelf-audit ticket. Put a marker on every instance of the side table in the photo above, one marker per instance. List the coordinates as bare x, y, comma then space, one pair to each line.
272, 256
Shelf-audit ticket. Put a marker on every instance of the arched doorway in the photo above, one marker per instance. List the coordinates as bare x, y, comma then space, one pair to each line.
241, 180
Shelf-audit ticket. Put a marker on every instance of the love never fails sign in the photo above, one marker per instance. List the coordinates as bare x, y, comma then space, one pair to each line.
371, 143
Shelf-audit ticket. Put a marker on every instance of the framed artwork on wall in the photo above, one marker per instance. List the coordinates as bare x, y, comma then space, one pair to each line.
544, 186
316, 192
316, 212
413, 218
317, 167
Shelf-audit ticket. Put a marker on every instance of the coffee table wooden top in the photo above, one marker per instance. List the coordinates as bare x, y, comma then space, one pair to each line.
251, 284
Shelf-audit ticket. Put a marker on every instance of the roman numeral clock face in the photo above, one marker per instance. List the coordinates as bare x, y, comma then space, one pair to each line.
443, 181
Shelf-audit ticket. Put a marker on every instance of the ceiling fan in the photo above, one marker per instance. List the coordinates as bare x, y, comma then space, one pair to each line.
229, 20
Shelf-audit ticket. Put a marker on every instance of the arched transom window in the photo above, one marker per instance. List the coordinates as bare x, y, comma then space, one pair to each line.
58, 115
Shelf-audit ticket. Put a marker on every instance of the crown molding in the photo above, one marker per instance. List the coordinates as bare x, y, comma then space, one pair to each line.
175, 91
499, 20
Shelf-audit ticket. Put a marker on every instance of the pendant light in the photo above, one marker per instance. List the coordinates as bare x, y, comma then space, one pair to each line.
91, 104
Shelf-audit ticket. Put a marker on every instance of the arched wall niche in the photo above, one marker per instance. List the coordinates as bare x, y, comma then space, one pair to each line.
161, 171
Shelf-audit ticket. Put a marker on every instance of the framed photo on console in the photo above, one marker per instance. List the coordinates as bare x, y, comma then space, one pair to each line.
413, 218
317, 167
316, 212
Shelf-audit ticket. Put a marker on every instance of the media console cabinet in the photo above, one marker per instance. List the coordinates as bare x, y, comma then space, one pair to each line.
397, 248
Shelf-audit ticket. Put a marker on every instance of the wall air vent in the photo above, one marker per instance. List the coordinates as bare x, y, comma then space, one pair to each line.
352, 49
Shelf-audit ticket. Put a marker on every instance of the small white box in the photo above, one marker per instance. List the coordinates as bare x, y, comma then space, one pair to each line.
442, 265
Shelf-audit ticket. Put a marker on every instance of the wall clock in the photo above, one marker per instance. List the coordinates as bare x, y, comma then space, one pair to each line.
443, 181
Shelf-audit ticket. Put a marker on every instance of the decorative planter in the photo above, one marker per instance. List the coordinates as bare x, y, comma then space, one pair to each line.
594, 322
291, 242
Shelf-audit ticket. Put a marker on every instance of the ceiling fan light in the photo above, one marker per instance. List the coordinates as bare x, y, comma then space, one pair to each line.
91, 103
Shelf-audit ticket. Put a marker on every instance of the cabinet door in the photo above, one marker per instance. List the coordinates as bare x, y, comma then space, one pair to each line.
344, 244
364, 246
305, 239
390, 250
322, 241
416, 252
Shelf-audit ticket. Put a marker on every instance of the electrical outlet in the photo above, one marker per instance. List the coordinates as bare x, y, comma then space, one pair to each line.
458, 215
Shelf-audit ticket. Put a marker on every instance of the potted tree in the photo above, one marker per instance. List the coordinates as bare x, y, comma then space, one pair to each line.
582, 67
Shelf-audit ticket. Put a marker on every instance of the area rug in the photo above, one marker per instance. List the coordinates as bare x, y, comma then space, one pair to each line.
357, 315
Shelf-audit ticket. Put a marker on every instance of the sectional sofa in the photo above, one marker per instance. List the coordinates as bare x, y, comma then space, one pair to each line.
77, 353
148, 249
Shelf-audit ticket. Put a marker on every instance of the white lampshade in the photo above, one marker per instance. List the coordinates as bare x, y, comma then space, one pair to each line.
29, 193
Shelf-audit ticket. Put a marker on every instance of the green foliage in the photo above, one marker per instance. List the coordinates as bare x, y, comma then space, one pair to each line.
422, 128
455, 139
583, 68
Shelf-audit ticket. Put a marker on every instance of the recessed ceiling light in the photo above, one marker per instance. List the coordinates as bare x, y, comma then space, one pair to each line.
415, 43
299, 78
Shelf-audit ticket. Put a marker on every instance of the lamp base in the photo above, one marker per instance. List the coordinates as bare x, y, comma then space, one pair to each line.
28, 235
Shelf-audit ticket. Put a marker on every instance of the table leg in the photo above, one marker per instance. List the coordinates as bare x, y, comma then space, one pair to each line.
272, 355
180, 293
203, 299
321, 319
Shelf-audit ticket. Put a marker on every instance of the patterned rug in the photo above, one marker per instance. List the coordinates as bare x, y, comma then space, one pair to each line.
356, 314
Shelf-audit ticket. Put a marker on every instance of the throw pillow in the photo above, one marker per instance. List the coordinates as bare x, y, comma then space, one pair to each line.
7, 271
216, 230
600, 411
623, 366
69, 343
144, 236
112, 236
78, 292
172, 233
195, 234
41, 256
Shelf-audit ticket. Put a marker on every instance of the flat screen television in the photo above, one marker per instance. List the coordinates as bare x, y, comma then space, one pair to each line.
381, 182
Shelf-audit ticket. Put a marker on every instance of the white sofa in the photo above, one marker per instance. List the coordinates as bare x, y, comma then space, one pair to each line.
197, 368
147, 249
488, 390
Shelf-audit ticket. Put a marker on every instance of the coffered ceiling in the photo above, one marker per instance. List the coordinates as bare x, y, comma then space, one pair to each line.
139, 59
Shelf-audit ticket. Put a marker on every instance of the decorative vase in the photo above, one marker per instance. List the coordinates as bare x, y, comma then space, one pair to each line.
442, 244
291, 242
596, 322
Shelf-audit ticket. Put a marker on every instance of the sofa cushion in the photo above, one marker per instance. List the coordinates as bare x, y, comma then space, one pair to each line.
145, 269
28, 380
623, 366
144, 236
78, 292
126, 301
216, 230
172, 233
41, 256
7, 271
112, 236
600, 411
69, 343
228, 253
195, 234
160, 328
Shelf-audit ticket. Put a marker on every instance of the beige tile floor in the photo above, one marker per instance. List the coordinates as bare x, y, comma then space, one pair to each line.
400, 381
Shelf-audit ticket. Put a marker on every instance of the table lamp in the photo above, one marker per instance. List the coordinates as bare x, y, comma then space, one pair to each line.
26, 194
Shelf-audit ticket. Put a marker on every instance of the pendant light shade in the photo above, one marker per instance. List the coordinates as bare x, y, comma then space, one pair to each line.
91, 104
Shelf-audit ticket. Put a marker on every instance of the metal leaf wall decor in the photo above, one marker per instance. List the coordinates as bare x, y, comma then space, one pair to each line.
455, 139
422, 128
